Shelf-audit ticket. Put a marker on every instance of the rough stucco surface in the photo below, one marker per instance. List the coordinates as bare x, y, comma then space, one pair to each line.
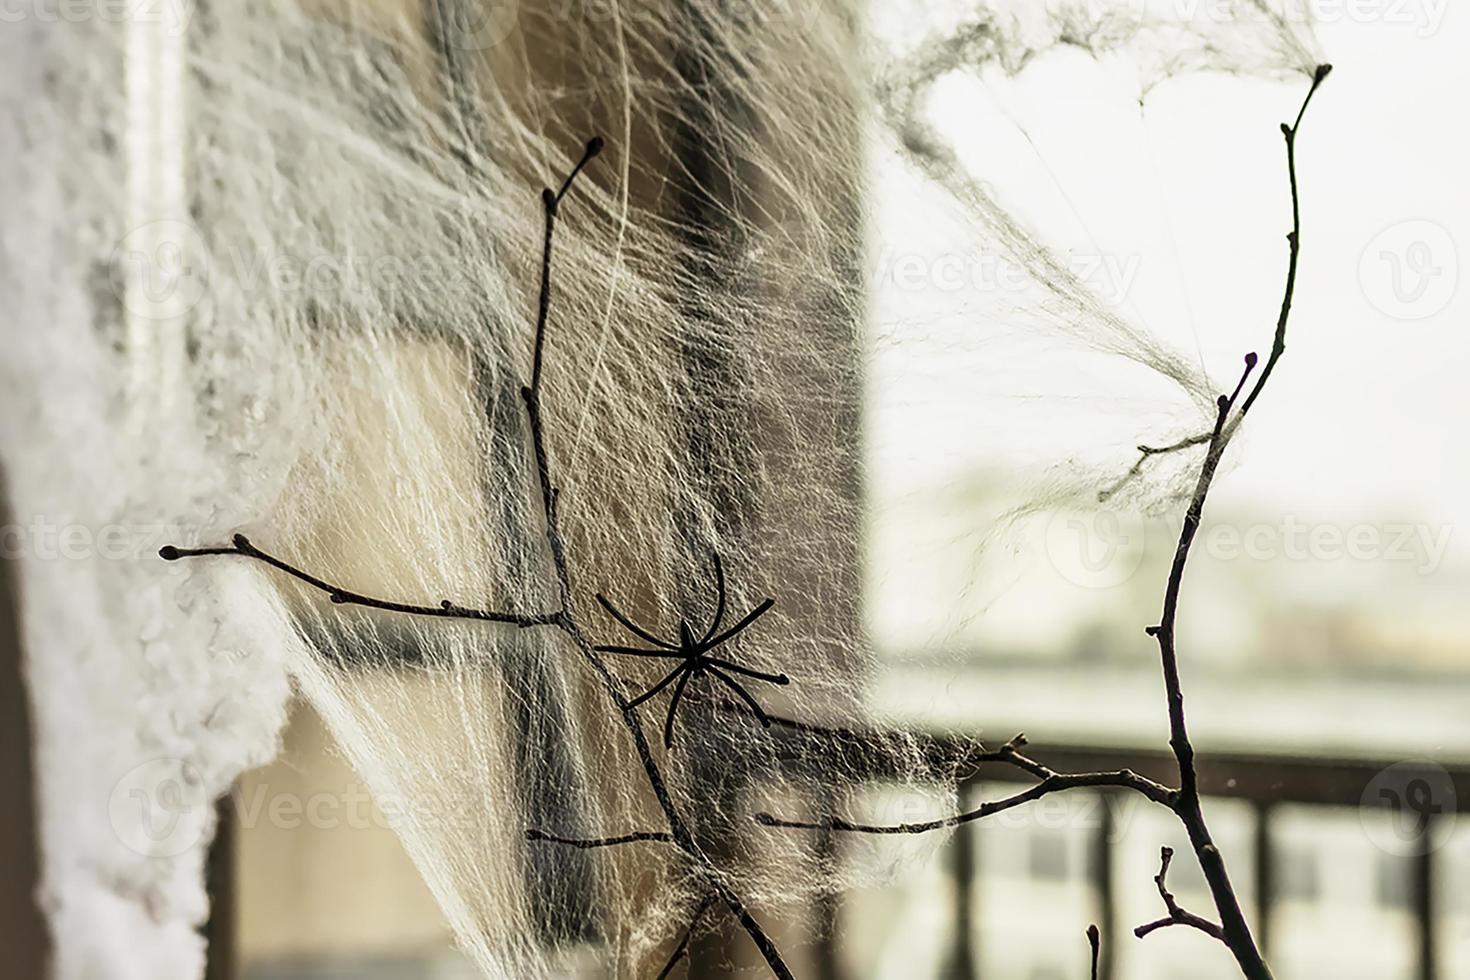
148, 695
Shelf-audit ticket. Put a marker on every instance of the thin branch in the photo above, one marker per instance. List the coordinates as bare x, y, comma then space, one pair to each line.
1177, 916
549, 495
531, 393
1049, 781
549, 204
569, 623
1278, 341
1094, 940
1294, 244
1144, 453
594, 147
660, 837
242, 548
1055, 783
1233, 929
1236, 932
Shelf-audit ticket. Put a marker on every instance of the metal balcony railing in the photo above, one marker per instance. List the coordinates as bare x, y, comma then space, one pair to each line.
1263, 782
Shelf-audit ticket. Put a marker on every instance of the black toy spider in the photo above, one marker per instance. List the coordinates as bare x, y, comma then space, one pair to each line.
694, 655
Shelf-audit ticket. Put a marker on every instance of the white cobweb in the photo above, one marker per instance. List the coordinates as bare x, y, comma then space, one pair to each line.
330, 360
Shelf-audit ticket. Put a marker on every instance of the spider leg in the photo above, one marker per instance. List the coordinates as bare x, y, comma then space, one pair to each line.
637, 652
659, 686
632, 627
720, 606
781, 679
744, 694
673, 705
750, 617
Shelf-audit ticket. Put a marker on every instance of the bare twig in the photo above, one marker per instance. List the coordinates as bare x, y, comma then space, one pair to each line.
1055, 783
1234, 932
1094, 940
1294, 245
1010, 754
1233, 929
873, 742
550, 202
590, 844
564, 618
1177, 916
242, 548
569, 624
1278, 341
1144, 452
1049, 781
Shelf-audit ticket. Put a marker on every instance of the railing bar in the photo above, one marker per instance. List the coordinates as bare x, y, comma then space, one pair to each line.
827, 911
1102, 880
221, 931
963, 861
1266, 782
1265, 868
1267, 778
1424, 901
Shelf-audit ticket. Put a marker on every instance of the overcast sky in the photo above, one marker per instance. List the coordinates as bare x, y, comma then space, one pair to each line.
1185, 207
1177, 213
